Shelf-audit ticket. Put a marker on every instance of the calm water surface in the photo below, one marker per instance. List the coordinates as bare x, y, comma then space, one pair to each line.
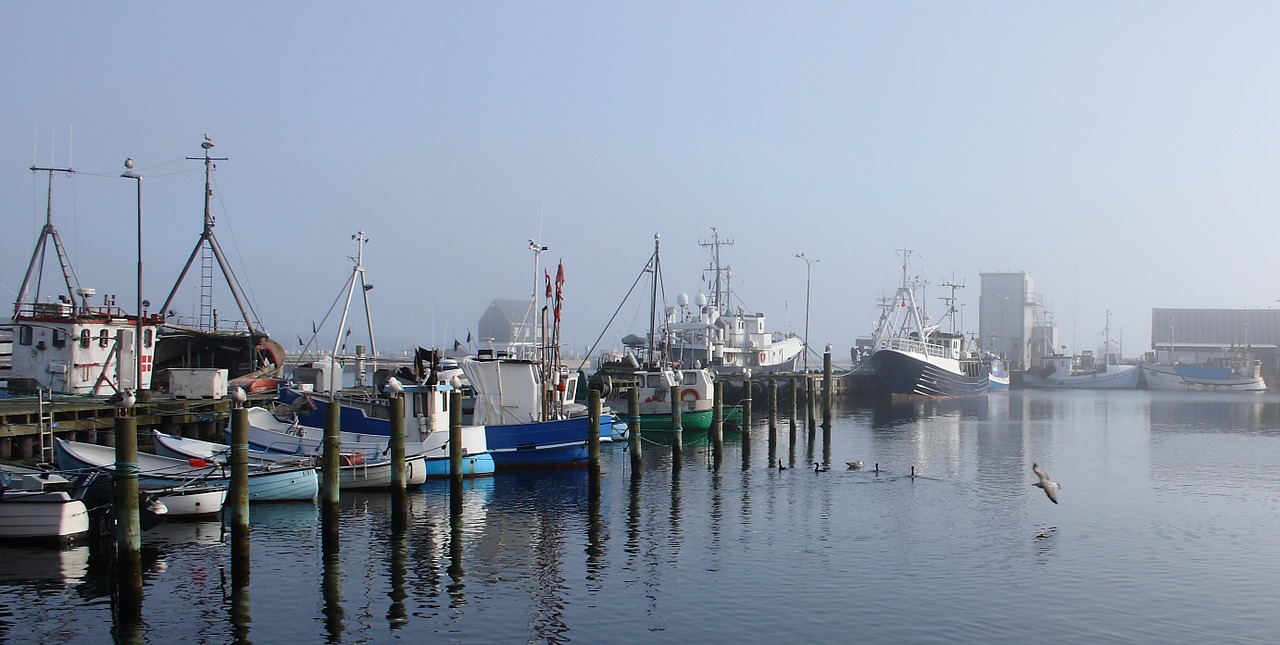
1168, 531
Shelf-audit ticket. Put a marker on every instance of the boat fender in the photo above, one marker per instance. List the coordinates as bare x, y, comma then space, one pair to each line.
689, 390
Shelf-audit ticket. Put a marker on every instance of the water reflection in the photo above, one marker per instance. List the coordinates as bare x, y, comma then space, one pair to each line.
1214, 412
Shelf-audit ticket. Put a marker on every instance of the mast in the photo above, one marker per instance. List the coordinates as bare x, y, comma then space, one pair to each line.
719, 287
206, 321
653, 300
365, 288
35, 270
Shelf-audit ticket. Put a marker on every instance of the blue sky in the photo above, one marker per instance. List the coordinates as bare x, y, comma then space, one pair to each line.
1123, 153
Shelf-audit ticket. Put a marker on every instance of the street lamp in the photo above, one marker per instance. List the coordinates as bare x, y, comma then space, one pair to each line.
137, 329
808, 279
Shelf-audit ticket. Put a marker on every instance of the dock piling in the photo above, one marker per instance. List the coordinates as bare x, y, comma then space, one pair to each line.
633, 428
399, 492
238, 495
128, 527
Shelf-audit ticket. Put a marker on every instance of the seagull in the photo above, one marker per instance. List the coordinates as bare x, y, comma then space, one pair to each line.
1050, 487
122, 400
238, 396
394, 386
854, 465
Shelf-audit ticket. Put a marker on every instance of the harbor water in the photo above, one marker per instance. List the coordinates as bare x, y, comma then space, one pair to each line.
1168, 530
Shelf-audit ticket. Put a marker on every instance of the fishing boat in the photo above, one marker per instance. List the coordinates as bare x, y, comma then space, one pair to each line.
1083, 371
1232, 373
67, 343
912, 358
721, 336
286, 482
524, 420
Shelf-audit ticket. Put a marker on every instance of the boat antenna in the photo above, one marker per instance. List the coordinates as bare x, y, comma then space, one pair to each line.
653, 299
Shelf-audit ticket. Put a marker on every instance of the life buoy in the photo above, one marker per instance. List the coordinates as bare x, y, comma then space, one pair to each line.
689, 390
762, 358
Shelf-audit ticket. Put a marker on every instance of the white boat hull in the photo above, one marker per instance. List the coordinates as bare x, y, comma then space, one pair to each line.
1166, 377
1117, 377
52, 516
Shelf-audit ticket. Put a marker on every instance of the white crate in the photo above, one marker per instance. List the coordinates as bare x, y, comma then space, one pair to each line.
198, 383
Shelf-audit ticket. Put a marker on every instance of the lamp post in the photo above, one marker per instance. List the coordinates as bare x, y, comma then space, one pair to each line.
137, 329
808, 279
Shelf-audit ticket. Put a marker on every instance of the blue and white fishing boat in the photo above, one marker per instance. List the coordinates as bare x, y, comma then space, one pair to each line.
266, 484
523, 414
1238, 373
365, 425
914, 359
997, 374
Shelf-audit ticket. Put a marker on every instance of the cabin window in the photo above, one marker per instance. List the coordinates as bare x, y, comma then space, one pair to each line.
444, 402
146, 337
84, 339
59, 338
104, 339
690, 378
25, 335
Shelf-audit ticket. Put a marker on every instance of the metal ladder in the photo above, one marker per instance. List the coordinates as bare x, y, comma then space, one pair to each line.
44, 398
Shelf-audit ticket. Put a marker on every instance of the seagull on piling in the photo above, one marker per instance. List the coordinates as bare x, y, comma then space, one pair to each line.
238, 396
854, 465
394, 386
1050, 487
122, 400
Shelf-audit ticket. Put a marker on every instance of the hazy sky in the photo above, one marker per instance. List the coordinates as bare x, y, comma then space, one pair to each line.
1123, 153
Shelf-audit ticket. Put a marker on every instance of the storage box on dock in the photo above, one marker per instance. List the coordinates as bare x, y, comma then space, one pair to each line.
198, 383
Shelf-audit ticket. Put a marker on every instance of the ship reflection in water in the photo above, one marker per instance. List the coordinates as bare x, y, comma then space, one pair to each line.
750, 552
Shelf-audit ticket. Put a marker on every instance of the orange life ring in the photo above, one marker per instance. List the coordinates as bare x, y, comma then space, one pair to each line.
762, 358
689, 390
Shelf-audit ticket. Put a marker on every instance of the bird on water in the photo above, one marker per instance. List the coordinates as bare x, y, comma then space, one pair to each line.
1050, 487
854, 465
817, 468
780, 466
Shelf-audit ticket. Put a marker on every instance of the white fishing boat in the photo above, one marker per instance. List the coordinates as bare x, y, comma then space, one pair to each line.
65, 343
1234, 373
1083, 371
912, 358
722, 336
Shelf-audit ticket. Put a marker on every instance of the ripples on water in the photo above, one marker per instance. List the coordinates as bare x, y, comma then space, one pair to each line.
1166, 531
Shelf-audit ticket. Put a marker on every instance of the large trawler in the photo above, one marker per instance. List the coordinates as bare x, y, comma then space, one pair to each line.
914, 359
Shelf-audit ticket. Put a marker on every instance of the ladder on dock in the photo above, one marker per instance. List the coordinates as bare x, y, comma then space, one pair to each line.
44, 398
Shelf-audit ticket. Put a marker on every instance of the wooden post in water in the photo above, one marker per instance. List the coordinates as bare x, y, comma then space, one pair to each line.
128, 527
330, 462
593, 431
826, 387
677, 428
455, 439
773, 403
399, 485
746, 404
773, 437
795, 394
717, 422
633, 427
238, 495
810, 401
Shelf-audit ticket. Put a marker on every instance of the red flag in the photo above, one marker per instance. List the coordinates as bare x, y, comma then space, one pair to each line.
548, 283
559, 279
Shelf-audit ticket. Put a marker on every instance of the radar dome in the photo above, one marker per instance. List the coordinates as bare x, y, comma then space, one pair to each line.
702, 300
682, 300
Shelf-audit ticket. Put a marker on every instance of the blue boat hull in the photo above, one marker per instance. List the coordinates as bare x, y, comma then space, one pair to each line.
546, 443
906, 375
472, 465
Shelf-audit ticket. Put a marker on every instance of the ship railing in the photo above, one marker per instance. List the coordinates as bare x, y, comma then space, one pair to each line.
914, 346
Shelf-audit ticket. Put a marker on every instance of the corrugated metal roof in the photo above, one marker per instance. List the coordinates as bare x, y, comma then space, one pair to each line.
1226, 327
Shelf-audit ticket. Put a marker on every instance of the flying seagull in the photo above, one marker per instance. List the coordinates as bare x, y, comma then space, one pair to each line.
1050, 487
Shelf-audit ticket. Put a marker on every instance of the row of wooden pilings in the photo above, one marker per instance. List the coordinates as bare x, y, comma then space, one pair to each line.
129, 532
